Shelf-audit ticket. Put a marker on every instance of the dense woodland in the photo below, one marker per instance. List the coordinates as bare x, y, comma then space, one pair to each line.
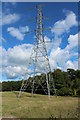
66, 83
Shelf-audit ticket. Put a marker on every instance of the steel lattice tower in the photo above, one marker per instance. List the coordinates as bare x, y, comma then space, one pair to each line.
39, 61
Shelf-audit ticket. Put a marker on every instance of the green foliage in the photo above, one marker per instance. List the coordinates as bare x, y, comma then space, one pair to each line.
66, 83
11, 86
78, 91
64, 91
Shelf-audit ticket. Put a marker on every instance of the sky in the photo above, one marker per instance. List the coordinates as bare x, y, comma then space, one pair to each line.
19, 18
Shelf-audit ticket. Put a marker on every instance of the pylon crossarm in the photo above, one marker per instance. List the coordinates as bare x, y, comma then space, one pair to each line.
39, 61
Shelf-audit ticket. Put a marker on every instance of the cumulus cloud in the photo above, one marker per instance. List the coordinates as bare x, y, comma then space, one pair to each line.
3, 59
10, 18
62, 57
48, 43
72, 42
3, 55
19, 33
53, 63
79, 42
15, 60
59, 56
15, 33
70, 64
19, 55
12, 71
64, 25
57, 42
0, 56
24, 29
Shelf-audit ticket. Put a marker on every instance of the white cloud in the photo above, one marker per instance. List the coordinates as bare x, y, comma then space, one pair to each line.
3, 59
12, 71
24, 29
62, 57
19, 33
56, 42
59, 56
15, 60
47, 39
79, 41
70, 64
53, 63
63, 26
10, 18
19, 55
73, 42
15, 33
3, 55
0, 56
48, 43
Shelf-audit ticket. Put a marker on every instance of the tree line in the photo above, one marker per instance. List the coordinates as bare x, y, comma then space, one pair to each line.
66, 83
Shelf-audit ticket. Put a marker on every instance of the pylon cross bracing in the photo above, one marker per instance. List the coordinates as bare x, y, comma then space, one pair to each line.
39, 61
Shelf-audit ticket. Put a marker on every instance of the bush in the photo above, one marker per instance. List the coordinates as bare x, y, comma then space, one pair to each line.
64, 91
78, 91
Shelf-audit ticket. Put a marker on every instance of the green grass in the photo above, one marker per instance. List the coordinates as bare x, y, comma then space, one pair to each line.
38, 106
0, 104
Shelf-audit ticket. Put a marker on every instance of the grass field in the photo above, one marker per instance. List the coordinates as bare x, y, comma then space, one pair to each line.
38, 106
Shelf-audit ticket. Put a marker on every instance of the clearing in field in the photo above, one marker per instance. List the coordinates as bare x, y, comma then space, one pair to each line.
38, 106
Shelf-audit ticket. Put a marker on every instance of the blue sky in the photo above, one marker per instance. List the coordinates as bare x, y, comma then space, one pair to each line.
16, 44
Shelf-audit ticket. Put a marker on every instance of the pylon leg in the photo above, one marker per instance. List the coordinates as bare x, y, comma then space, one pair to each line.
20, 94
39, 55
48, 87
32, 88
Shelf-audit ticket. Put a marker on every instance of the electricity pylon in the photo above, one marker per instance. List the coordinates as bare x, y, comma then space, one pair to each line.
39, 61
